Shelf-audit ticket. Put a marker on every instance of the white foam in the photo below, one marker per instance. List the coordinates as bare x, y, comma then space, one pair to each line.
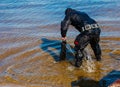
70, 68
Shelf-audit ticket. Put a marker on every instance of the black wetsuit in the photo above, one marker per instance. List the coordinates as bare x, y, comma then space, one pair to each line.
88, 34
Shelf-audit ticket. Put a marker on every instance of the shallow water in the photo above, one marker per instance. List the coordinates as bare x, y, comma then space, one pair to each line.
30, 42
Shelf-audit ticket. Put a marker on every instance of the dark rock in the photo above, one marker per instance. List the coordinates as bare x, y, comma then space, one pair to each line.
85, 82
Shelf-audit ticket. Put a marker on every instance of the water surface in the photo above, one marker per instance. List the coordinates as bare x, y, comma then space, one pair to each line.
30, 41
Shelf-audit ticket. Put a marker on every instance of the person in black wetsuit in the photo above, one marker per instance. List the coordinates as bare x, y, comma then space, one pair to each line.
89, 33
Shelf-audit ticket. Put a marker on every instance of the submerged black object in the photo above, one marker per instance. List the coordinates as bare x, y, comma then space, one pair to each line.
63, 51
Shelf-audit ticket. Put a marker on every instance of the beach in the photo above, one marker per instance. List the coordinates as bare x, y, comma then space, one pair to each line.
30, 42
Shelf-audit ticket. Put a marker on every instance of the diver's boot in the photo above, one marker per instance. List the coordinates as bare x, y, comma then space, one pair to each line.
78, 63
78, 58
63, 51
98, 57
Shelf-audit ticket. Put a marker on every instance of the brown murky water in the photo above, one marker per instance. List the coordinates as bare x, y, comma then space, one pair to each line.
32, 63
30, 43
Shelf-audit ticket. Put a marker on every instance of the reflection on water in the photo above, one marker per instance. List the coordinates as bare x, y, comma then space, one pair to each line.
30, 41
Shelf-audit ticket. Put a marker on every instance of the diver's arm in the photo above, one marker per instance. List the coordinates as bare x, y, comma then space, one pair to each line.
64, 27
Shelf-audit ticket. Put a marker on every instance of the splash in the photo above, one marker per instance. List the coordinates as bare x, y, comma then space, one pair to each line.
88, 63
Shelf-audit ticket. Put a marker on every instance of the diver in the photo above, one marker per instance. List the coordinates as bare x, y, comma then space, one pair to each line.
89, 34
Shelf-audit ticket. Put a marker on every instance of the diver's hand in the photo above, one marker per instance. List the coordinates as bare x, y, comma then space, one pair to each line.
64, 38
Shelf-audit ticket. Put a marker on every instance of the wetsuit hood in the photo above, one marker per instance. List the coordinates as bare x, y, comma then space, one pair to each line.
68, 11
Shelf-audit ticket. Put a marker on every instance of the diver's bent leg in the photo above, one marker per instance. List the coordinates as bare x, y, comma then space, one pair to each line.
81, 42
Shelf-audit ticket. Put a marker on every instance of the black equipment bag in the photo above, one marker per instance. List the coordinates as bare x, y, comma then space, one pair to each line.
63, 51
